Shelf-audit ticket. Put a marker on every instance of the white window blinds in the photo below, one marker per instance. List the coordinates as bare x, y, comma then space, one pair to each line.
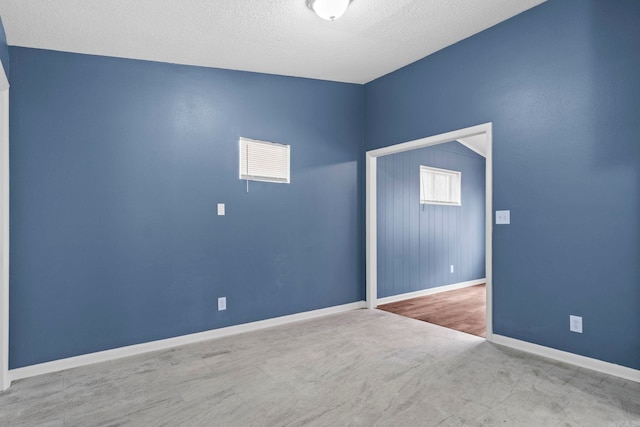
264, 161
440, 186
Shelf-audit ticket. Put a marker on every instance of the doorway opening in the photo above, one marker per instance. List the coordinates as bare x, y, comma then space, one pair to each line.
478, 139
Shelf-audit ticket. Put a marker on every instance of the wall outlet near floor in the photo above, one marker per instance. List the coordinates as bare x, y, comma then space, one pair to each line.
503, 217
222, 303
575, 324
451, 268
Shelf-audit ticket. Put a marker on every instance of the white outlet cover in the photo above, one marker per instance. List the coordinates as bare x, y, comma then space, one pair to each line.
503, 217
575, 324
222, 303
221, 209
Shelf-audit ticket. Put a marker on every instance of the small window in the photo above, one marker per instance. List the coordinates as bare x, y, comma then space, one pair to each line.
440, 186
264, 161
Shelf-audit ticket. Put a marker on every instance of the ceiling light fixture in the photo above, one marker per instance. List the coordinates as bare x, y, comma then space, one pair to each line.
329, 9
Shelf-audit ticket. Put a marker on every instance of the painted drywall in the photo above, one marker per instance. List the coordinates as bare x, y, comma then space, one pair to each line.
560, 84
4, 49
417, 243
117, 167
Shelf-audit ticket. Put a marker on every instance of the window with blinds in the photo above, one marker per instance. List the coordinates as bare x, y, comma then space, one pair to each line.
264, 161
440, 186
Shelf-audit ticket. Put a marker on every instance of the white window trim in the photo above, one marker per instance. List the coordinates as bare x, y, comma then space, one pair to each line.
456, 181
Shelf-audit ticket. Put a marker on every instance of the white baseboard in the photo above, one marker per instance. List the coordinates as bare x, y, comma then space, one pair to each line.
431, 291
132, 350
570, 358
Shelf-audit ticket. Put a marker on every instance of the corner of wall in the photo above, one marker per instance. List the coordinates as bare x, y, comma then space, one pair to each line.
4, 50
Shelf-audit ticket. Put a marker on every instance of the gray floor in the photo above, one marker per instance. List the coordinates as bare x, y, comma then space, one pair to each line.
364, 367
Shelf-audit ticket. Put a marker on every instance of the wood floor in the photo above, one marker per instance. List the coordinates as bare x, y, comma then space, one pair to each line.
462, 309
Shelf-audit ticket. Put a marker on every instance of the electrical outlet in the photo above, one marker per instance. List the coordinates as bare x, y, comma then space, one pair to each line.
503, 217
575, 324
222, 303
451, 268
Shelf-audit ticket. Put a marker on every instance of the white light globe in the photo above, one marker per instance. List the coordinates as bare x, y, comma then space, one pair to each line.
329, 9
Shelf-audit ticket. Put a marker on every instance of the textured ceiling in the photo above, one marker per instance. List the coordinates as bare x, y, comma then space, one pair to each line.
477, 143
373, 38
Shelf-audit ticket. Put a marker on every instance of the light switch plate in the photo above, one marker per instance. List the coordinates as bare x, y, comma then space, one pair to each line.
575, 323
503, 217
221, 209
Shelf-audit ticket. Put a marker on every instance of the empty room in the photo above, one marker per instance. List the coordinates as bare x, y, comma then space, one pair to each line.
200, 215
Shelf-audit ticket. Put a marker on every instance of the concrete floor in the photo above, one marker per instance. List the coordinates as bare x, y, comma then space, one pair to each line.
365, 367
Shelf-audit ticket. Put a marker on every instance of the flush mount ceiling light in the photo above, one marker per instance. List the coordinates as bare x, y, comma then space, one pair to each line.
329, 9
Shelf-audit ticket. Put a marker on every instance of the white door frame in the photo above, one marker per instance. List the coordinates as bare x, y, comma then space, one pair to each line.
4, 230
371, 208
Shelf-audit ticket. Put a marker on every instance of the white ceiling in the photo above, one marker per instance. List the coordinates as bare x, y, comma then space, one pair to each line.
477, 143
374, 37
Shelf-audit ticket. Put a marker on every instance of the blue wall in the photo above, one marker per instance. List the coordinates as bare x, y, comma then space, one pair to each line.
417, 243
116, 169
4, 49
560, 84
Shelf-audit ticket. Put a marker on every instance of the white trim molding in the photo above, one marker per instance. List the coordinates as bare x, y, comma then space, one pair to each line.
133, 350
430, 291
570, 358
371, 224
371, 207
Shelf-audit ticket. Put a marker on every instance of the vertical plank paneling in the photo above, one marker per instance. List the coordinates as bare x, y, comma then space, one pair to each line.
406, 218
381, 214
388, 224
414, 223
417, 244
397, 225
